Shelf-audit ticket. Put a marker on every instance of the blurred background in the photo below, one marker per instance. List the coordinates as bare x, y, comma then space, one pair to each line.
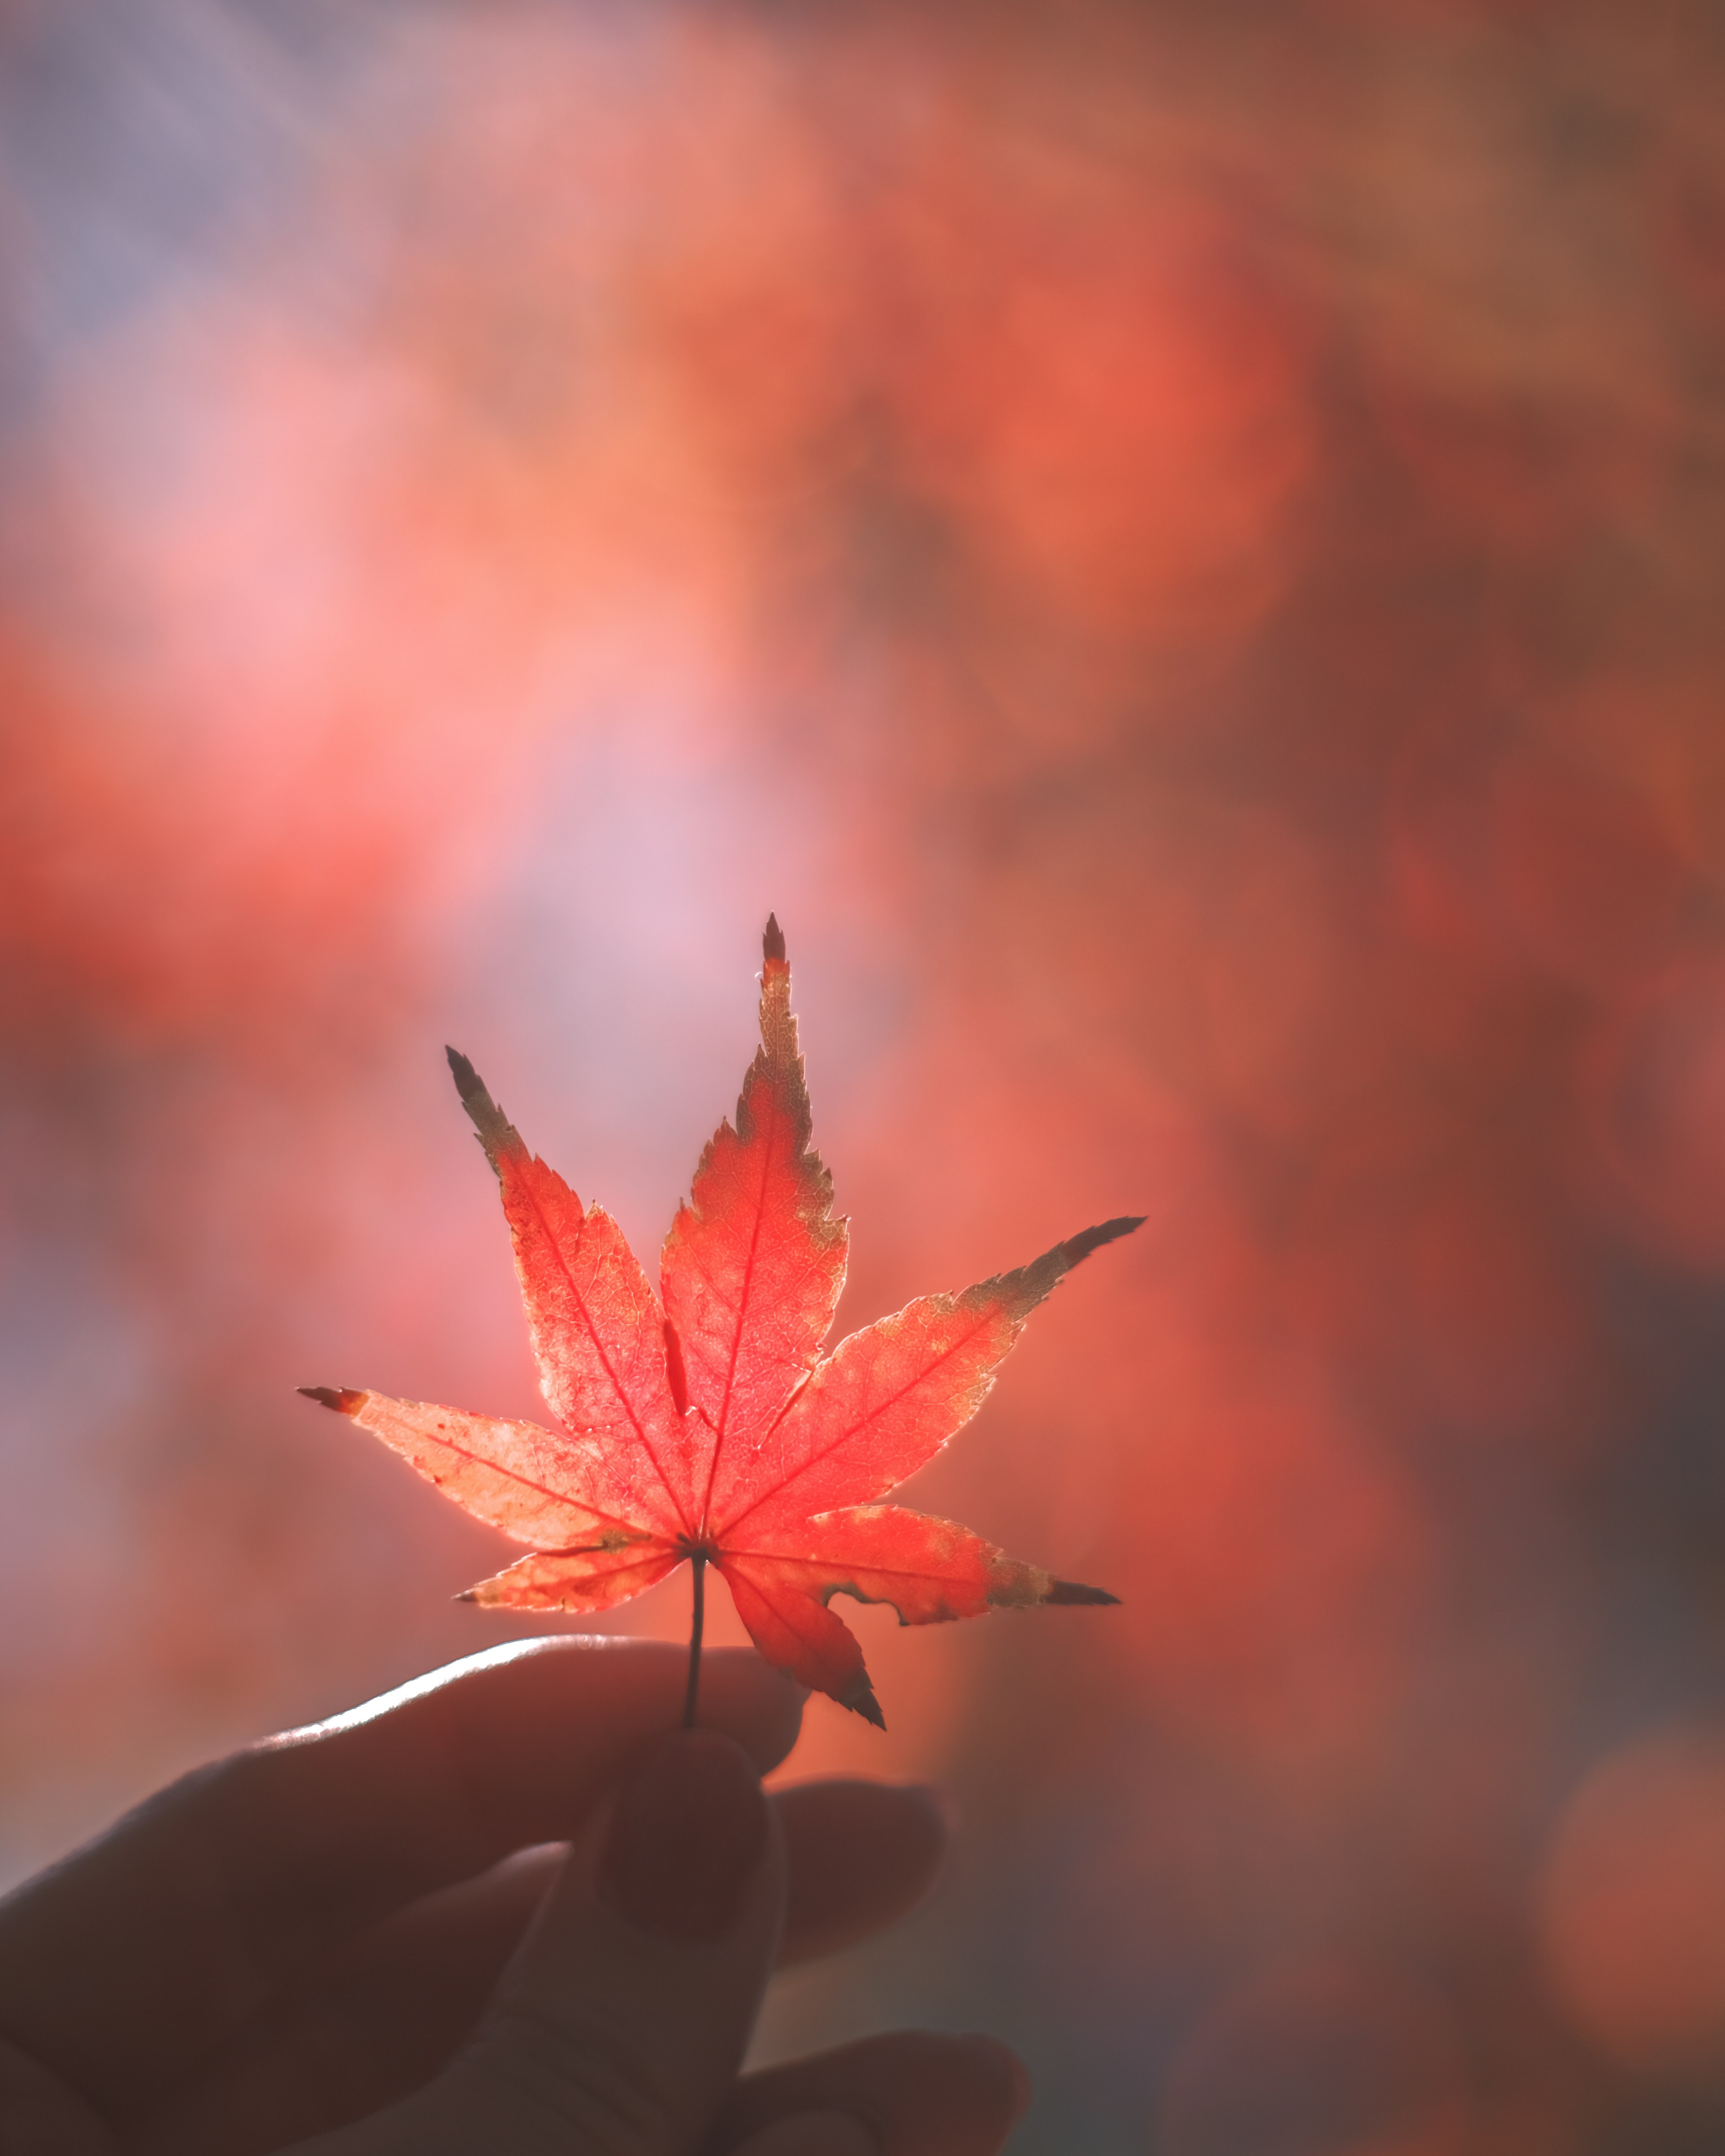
1179, 548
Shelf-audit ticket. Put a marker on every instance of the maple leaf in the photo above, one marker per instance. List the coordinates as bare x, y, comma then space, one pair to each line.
703, 1423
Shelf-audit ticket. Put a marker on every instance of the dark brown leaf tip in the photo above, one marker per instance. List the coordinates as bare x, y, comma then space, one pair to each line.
487, 1118
772, 942
860, 1700
1070, 1590
1092, 1238
467, 1082
342, 1397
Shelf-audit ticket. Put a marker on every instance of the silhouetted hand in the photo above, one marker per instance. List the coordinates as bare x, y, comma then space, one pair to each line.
354, 1939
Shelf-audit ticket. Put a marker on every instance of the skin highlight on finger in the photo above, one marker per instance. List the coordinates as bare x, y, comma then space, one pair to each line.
256, 1868
916, 2093
386, 2012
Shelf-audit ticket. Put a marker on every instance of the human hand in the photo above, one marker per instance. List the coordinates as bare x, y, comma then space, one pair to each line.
353, 1939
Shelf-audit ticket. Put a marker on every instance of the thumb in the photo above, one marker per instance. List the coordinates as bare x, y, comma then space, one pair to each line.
619, 2026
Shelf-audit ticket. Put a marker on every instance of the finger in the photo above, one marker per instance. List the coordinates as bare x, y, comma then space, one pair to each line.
620, 2025
40, 2116
387, 2011
384, 2016
862, 1855
913, 2093
135, 1960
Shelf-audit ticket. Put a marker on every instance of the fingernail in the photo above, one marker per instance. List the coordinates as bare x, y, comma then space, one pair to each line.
1005, 2069
686, 1834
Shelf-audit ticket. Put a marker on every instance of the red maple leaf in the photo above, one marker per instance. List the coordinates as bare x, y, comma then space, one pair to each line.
707, 1424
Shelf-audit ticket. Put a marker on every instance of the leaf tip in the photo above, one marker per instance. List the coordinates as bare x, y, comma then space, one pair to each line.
860, 1700
487, 1118
772, 941
1080, 1246
1070, 1590
343, 1398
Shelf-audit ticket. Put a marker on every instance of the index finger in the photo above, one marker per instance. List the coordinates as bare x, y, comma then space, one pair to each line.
126, 1965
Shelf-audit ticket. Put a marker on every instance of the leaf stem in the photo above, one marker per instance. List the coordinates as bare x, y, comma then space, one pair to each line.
697, 1625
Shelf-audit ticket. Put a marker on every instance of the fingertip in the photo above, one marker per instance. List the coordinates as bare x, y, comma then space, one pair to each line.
863, 1855
688, 1828
752, 1702
1002, 2073
919, 1823
941, 1805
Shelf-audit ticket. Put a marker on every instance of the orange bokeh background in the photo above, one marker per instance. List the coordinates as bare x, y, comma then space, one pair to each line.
1178, 549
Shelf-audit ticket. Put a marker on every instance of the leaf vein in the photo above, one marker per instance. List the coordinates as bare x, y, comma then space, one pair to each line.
627, 1404
844, 1436
543, 1489
721, 1426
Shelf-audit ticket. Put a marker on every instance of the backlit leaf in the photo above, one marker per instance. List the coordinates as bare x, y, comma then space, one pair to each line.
709, 1426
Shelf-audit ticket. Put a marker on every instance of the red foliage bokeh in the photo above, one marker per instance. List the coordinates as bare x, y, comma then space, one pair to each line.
1177, 548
